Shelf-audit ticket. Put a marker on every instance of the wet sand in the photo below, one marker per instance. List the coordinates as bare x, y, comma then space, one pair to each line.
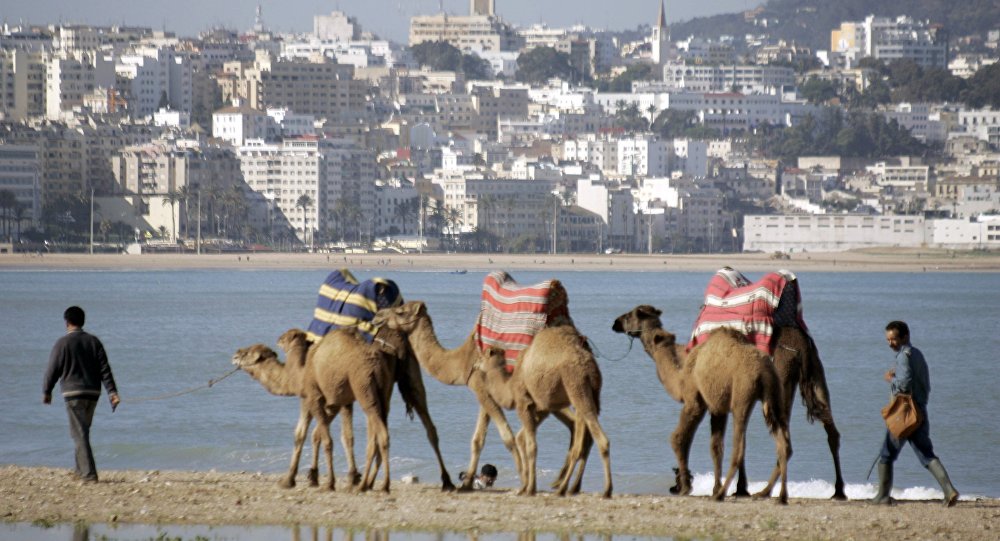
50, 495
883, 260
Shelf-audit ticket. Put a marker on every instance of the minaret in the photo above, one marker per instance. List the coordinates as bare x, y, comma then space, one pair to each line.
660, 40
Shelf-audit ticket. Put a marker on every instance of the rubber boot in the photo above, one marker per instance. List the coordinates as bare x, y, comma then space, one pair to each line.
884, 485
937, 470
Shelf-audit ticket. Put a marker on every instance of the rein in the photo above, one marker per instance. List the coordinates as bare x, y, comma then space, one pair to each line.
210, 383
593, 346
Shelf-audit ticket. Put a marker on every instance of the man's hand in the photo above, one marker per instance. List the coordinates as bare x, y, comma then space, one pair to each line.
889, 374
46, 399
114, 401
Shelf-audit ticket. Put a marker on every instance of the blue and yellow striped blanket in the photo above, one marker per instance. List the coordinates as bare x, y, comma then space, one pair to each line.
345, 302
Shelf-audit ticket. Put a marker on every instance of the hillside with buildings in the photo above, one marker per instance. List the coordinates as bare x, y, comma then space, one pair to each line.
480, 135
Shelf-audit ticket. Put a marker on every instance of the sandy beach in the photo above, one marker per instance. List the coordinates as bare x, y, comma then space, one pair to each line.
885, 260
50, 495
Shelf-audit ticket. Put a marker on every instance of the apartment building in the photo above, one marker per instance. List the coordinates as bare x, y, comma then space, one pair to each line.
465, 32
71, 75
320, 88
889, 39
747, 78
22, 84
158, 77
335, 174
20, 173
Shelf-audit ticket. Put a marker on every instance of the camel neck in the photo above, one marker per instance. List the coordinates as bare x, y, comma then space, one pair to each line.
450, 366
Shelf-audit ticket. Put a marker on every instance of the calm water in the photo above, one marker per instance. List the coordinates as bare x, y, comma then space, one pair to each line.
173, 330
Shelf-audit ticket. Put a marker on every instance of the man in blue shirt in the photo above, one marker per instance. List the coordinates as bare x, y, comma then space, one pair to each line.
910, 376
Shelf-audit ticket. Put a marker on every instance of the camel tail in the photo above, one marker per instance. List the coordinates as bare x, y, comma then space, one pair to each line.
812, 384
774, 413
406, 390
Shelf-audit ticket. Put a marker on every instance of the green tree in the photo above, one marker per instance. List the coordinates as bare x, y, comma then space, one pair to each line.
623, 81
164, 103
543, 63
983, 88
8, 201
172, 198
818, 91
443, 56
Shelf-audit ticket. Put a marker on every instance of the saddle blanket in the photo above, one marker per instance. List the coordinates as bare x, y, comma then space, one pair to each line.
345, 302
753, 309
511, 314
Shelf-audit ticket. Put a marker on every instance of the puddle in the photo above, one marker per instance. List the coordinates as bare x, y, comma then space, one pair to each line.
145, 532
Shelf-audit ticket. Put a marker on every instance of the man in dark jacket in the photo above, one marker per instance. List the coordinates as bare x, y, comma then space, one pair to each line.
78, 361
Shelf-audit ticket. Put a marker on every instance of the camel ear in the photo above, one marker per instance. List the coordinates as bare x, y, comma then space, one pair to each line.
419, 308
649, 311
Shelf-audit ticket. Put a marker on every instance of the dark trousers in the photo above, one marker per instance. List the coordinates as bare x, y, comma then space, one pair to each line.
81, 413
920, 441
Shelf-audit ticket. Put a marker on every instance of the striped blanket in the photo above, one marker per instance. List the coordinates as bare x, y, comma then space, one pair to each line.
511, 314
345, 302
753, 309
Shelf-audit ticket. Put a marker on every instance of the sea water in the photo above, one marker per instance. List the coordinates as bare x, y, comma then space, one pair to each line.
171, 331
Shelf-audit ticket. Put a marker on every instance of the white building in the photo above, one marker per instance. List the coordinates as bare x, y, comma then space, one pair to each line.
237, 124
72, 75
746, 78
644, 156
890, 39
156, 74
839, 232
337, 26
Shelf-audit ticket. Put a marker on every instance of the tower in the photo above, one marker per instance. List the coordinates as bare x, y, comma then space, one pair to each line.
660, 39
481, 7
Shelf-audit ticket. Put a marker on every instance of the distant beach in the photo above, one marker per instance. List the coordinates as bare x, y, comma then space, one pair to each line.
881, 260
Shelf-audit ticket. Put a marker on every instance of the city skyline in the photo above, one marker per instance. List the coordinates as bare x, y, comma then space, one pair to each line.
389, 19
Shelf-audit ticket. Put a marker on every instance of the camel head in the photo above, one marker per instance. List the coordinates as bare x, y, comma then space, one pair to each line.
638, 319
292, 338
392, 341
401, 318
492, 358
253, 355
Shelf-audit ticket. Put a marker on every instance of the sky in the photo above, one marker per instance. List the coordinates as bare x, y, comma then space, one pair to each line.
390, 19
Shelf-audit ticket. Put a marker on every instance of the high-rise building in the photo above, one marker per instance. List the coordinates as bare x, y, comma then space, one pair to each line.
481, 7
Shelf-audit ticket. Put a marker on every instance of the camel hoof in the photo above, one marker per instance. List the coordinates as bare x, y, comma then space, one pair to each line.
783, 500
760, 495
743, 494
839, 496
719, 496
287, 483
313, 477
354, 477
607, 494
464, 488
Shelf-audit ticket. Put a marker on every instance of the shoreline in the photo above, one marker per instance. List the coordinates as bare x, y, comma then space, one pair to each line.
49, 495
883, 260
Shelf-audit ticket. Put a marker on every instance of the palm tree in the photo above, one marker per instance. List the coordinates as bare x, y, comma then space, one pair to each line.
184, 196
172, 198
304, 202
213, 195
20, 214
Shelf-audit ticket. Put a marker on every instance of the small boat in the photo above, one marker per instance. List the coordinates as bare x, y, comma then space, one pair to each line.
459, 271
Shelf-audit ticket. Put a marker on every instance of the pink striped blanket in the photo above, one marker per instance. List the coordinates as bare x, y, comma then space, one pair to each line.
753, 309
511, 314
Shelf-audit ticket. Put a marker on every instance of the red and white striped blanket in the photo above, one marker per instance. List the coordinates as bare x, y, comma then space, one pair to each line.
753, 309
511, 314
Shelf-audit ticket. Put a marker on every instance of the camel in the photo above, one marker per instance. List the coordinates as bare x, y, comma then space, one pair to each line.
724, 375
558, 370
288, 378
457, 367
797, 361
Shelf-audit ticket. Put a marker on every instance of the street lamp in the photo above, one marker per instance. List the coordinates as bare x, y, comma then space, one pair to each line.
91, 220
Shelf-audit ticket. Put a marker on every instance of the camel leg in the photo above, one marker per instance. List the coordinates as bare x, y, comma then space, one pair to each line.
324, 438
347, 441
488, 409
692, 413
740, 419
419, 402
603, 446
572, 456
717, 447
787, 402
305, 418
833, 439
528, 417
567, 417
314, 468
378, 427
